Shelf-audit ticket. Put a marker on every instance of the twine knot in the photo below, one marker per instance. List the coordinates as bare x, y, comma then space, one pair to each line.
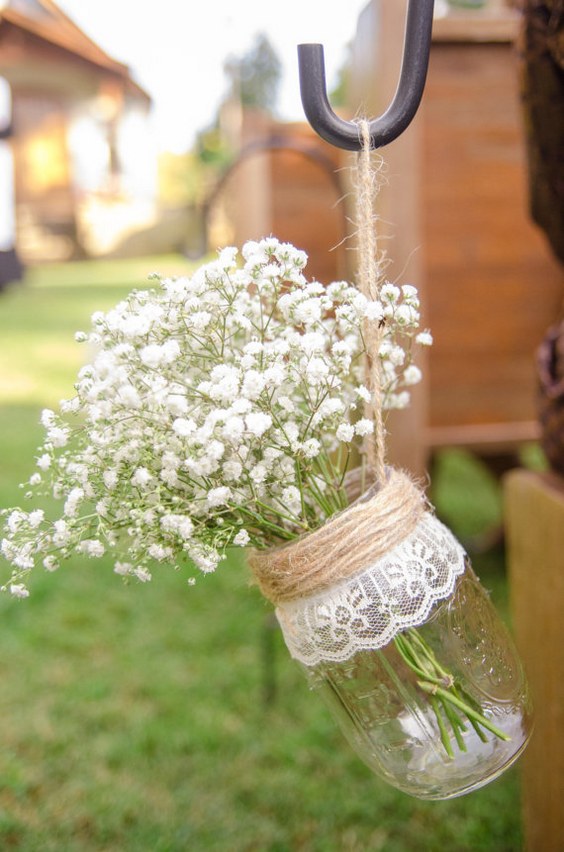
345, 545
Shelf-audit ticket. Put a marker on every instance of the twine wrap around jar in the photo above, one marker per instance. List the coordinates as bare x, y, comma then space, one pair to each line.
344, 545
369, 572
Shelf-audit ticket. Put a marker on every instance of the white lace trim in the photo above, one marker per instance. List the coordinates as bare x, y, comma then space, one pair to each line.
366, 611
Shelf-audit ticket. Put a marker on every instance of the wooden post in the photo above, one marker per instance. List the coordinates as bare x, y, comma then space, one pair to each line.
535, 538
456, 205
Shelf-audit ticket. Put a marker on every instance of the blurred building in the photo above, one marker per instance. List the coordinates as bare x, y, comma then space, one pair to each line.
85, 171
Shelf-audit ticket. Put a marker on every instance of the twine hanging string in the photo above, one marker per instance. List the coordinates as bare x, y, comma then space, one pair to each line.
370, 271
353, 540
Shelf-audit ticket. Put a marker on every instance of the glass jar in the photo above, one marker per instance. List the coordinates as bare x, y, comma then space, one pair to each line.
399, 721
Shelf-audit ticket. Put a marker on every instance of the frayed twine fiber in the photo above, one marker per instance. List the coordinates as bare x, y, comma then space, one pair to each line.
345, 545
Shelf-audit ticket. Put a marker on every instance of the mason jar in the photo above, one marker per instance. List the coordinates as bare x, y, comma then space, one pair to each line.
417, 667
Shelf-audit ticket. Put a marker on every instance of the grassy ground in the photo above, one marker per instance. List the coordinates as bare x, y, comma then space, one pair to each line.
168, 719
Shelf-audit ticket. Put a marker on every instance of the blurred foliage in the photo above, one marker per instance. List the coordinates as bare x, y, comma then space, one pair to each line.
255, 76
186, 179
253, 82
212, 148
466, 494
339, 94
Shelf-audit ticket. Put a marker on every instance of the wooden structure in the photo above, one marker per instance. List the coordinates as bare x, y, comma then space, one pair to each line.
286, 182
535, 536
457, 205
78, 172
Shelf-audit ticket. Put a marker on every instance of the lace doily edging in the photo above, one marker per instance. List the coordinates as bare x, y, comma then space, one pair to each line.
366, 611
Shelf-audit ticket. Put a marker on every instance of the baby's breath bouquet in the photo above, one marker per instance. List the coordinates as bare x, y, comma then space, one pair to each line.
234, 408
220, 410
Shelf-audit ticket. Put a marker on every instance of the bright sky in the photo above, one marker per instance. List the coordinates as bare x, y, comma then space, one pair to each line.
176, 49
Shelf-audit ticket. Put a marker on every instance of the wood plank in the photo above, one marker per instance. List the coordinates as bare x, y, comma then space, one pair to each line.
535, 538
483, 437
501, 26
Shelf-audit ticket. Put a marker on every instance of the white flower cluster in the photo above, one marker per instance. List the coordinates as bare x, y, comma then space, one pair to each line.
220, 410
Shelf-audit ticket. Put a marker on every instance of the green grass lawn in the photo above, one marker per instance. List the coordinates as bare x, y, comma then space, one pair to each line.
163, 718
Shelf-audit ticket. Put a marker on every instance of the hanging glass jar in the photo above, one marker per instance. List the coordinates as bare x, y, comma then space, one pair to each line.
415, 664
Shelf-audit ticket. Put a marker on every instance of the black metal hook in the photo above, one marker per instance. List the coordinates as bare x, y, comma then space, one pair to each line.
386, 128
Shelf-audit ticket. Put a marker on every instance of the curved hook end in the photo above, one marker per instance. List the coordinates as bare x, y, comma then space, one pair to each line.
386, 128
313, 89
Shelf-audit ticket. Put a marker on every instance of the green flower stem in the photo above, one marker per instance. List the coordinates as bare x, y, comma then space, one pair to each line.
466, 697
333, 475
456, 723
262, 524
271, 510
434, 690
444, 678
411, 659
427, 652
446, 697
312, 487
443, 733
